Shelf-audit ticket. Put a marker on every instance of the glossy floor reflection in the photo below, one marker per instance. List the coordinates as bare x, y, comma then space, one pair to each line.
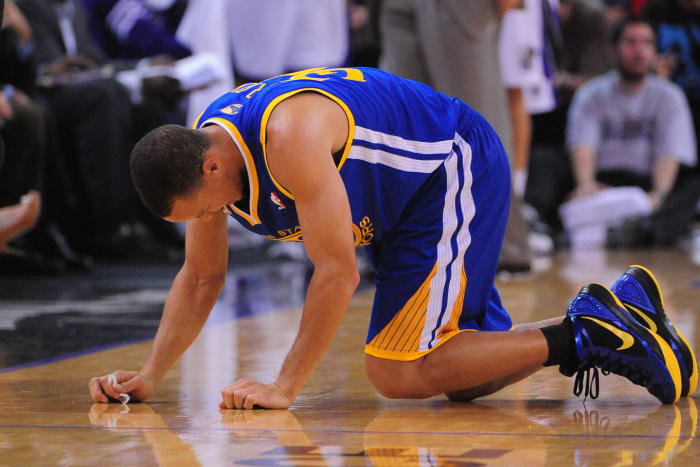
46, 318
46, 417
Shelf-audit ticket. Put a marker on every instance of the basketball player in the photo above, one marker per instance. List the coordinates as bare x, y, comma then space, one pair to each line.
346, 157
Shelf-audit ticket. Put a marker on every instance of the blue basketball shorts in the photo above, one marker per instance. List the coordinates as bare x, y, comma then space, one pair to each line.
436, 269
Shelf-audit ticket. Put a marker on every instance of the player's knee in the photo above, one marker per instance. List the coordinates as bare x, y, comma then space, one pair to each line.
394, 379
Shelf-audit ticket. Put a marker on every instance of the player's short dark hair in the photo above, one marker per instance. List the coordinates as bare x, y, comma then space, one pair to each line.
622, 26
167, 164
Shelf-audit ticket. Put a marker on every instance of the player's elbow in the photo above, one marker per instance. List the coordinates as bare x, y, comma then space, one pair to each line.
207, 282
350, 278
214, 284
344, 277
353, 278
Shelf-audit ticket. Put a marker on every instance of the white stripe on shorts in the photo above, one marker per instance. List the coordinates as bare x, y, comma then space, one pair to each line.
438, 286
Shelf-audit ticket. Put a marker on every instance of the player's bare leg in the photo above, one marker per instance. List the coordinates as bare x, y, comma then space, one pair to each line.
469, 365
17, 219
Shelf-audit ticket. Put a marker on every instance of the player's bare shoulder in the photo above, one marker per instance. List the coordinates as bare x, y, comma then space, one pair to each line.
302, 132
307, 118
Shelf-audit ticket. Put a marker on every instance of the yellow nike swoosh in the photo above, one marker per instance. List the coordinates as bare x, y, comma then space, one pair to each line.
650, 323
627, 338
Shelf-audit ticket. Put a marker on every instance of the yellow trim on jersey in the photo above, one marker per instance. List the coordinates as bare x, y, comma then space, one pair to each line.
402, 334
196, 120
271, 106
452, 324
291, 238
400, 339
250, 166
409, 356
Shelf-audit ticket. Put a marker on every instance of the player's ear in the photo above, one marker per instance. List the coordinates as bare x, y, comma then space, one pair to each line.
210, 166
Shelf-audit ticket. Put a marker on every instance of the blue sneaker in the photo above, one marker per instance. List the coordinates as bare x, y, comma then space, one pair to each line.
639, 291
609, 338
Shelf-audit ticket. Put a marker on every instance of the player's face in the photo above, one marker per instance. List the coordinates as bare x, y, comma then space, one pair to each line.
636, 51
195, 206
211, 197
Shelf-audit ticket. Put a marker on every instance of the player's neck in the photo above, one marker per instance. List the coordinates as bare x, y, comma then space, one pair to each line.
227, 151
221, 142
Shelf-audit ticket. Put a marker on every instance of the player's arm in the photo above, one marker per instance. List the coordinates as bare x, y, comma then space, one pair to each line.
583, 161
191, 298
303, 131
663, 177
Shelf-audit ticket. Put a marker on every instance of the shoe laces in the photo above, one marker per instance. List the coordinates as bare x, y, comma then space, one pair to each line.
607, 365
592, 385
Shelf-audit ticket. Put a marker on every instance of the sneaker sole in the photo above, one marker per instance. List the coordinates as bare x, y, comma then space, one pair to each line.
663, 325
648, 338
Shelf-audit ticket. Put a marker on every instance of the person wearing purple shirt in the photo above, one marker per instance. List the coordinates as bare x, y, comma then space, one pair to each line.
134, 29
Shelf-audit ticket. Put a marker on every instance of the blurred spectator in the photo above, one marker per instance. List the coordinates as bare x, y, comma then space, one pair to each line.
677, 26
26, 129
363, 19
528, 74
617, 11
205, 29
453, 46
629, 128
637, 6
134, 29
93, 114
529, 36
586, 42
16, 219
271, 37
585, 53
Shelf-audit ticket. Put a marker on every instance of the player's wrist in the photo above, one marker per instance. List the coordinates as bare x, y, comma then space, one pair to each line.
284, 393
286, 390
150, 376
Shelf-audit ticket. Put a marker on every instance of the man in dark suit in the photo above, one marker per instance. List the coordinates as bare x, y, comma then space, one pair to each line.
93, 114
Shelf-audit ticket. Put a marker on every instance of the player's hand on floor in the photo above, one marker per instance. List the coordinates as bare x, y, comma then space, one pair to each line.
133, 383
244, 394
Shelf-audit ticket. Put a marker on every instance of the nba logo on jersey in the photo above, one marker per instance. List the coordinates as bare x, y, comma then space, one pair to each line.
276, 199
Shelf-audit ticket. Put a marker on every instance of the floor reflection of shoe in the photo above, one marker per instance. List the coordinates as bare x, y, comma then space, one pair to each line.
639, 291
609, 338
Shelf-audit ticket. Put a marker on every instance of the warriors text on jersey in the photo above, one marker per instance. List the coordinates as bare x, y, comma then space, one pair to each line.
428, 185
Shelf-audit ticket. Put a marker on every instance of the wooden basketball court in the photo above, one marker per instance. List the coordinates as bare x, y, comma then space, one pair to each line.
47, 418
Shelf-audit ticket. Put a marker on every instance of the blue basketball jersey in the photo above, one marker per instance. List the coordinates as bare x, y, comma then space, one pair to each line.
428, 184
400, 132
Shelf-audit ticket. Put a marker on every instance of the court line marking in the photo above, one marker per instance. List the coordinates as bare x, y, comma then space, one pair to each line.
76, 354
271, 430
213, 320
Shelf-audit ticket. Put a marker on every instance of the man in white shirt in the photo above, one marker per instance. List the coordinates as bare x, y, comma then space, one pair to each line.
631, 128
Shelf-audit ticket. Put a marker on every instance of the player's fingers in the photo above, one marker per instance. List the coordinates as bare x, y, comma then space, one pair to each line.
96, 390
121, 375
249, 402
107, 387
222, 405
239, 396
227, 396
129, 385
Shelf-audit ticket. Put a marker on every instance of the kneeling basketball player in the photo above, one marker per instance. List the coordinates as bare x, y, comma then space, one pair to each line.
342, 157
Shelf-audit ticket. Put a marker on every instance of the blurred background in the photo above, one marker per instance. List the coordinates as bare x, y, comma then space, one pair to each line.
597, 104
